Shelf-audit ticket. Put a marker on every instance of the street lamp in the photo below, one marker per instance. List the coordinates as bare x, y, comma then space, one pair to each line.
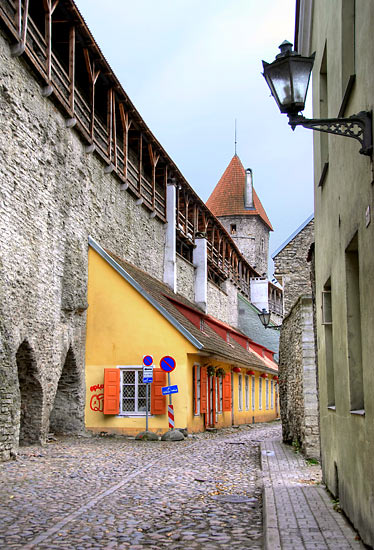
288, 78
265, 320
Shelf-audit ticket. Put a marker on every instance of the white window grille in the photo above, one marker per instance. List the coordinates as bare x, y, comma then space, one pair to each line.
267, 394
272, 394
260, 393
247, 392
240, 389
253, 393
133, 392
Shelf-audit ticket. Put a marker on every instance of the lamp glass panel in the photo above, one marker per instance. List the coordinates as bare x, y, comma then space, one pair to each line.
300, 70
279, 74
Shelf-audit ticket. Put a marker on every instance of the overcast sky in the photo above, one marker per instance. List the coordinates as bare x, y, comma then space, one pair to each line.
191, 67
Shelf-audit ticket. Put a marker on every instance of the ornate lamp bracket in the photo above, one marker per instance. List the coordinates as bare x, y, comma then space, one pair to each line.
356, 126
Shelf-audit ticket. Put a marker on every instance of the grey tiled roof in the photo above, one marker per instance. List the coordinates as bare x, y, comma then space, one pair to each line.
212, 343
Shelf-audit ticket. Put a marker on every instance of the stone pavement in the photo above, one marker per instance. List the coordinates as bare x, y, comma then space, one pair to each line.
104, 493
298, 512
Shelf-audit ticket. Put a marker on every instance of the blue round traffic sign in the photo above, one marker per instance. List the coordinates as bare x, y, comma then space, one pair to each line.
168, 363
147, 360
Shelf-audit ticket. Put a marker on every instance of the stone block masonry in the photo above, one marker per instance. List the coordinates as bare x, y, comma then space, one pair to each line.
298, 385
291, 266
52, 196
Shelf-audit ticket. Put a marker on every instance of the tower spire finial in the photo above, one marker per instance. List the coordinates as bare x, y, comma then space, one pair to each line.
235, 137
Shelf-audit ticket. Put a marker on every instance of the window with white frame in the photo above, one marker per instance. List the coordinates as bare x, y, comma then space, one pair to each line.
133, 392
267, 394
246, 392
253, 393
272, 394
240, 390
196, 389
260, 393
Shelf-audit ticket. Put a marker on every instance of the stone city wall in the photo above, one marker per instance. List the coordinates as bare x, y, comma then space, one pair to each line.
185, 278
52, 196
297, 372
291, 264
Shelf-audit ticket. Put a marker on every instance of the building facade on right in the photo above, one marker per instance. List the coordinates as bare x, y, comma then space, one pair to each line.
341, 34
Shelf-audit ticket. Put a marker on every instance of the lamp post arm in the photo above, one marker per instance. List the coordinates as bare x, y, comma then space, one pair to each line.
356, 126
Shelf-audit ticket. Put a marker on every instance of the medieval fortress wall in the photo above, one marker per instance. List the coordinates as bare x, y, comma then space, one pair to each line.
53, 195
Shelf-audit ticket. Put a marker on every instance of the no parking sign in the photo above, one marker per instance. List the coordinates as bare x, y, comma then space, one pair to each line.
168, 363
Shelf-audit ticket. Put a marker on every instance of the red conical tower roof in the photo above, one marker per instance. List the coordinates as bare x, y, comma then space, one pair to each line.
227, 198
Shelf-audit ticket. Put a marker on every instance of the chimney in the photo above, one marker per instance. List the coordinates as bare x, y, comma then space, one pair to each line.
248, 190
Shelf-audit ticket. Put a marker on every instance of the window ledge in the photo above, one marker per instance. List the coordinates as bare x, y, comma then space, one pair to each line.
331, 408
133, 415
358, 412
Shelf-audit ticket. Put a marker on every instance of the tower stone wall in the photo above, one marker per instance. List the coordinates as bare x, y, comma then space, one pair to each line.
252, 239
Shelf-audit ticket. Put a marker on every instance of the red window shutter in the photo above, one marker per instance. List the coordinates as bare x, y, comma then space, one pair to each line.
158, 401
226, 393
111, 391
195, 367
203, 390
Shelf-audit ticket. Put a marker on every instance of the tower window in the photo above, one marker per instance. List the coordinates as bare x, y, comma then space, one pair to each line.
233, 228
262, 244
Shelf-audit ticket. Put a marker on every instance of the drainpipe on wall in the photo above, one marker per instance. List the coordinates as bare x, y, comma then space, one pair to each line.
170, 260
200, 262
248, 189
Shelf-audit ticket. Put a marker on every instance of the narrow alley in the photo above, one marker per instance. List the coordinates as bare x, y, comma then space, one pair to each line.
109, 492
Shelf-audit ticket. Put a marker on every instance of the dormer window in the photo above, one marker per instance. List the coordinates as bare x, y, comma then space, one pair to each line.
233, 228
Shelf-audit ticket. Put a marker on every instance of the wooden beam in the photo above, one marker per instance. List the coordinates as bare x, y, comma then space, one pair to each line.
109, 122
126, 124
114, 126
93, 75
154, 160
72, 67
140, 161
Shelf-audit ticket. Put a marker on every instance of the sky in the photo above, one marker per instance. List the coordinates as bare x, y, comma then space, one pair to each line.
191, 67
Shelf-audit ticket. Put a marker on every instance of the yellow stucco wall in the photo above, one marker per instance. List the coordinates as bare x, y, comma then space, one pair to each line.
122, 326
227, 418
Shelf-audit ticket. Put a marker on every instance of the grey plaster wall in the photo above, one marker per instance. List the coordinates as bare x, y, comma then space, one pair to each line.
297, 379
252, 239
292, 269
52, 196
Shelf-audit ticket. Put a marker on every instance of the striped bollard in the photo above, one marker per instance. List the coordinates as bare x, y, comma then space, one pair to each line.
171, 417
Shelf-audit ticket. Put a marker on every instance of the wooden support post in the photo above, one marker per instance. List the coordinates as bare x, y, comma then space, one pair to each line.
126, 124
165, 187
93, 75
109, 122
154, 160
114, 126
72, 67
140, 162
49, 8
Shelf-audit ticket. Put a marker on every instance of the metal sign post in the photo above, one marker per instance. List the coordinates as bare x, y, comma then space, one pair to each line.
146, 407
147, 379
168, 364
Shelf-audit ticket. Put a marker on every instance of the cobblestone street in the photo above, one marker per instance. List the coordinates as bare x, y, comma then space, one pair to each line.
107, 492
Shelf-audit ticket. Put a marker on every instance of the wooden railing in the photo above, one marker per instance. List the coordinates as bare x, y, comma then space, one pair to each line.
36, 50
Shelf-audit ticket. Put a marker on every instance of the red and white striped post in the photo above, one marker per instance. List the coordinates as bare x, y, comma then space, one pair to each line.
171, 417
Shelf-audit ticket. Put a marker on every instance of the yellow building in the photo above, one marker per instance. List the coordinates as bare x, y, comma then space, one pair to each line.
223, 377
